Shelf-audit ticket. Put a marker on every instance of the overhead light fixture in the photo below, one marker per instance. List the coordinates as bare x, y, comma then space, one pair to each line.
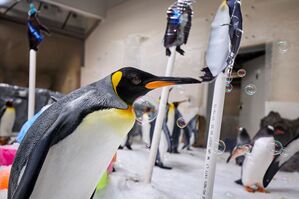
5, 2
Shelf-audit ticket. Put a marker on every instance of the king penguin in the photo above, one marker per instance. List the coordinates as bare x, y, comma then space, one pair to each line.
257, 159
7, 119
69, 147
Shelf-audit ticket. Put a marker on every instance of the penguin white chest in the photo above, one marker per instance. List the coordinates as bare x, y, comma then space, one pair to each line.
170, 119
257, 162
7, 122
74, 165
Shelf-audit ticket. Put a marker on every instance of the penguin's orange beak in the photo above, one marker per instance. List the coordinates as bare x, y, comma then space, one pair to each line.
158, 82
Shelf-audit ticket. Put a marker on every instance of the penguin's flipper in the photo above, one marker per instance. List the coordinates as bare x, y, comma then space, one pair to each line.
189, 23
291, 149
2, 110
167, 135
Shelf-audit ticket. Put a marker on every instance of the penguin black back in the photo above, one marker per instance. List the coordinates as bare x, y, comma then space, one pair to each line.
263, 132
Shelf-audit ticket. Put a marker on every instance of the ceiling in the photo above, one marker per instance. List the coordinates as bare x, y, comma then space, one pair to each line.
73, 18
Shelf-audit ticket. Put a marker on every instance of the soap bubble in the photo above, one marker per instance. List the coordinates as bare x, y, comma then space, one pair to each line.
285, 153
181, 123
250, 89
283, 46
241, 73
276, 147
220, 147
228, 88
229, 195
146, 109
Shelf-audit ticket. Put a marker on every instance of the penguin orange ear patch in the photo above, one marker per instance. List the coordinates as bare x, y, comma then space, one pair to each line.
116, 77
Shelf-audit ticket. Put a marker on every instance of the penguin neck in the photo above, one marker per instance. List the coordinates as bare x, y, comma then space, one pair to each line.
128, 111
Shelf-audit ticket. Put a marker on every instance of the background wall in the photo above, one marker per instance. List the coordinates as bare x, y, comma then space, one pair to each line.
58, 59
132, 33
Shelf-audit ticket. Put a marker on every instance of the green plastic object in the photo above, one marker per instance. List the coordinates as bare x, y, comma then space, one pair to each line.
103, 182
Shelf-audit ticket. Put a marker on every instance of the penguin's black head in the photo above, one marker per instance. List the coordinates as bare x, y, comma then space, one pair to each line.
9, 103
130, 83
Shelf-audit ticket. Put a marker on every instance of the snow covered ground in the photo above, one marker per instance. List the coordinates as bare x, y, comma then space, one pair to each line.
184, 181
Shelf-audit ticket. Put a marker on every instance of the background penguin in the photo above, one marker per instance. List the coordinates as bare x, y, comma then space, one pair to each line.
257, 159
136, 130
176, 133
242, 139
69, 147
170, 121
289, 151
7, 119
179, 17
164, 144
225, 39
191, 132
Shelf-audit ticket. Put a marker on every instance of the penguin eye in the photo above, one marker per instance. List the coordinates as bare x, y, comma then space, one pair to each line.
136, 80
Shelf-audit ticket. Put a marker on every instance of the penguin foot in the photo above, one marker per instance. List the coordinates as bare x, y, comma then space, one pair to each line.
129, 147
175, 151
162, 166
168, 52
179, 50
207, 77
249, 189
261, 189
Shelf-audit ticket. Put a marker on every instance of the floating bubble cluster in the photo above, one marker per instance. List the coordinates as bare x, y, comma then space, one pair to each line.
283, 46
220, 147
181, 123
250, 89
228, 88
241, 72
145, 109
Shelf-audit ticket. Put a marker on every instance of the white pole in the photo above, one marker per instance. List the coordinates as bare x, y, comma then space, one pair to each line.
32, 76
159, 120
213, 137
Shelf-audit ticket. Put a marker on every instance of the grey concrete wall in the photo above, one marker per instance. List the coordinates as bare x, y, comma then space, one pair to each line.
132, 35
253, 107
58, 59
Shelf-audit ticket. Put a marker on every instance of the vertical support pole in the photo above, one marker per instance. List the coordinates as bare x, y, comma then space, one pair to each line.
32, 80
213, 137
160, 118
